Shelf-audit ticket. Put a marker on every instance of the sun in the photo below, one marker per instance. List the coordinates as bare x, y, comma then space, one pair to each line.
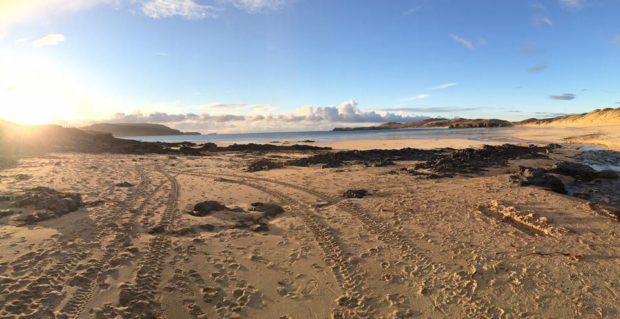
34, 91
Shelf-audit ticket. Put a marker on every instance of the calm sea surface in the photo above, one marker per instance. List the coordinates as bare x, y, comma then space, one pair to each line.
481, 134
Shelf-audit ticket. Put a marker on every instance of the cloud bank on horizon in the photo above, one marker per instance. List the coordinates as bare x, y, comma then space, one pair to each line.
306, 118
168, 61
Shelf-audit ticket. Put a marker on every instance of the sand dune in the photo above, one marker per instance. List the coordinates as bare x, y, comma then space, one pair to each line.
598, 117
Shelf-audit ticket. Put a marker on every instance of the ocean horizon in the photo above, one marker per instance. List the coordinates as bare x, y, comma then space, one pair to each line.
478, 134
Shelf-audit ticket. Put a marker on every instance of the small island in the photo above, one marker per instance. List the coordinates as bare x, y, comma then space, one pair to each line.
135, 129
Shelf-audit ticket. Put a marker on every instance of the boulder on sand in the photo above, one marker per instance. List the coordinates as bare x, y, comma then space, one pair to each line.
355, 193
44, 198
529, 176
269, 210
576, 170
206, 208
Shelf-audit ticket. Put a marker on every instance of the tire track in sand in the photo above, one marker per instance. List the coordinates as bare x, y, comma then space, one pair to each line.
354, 302
140, 297
62, 271
455, 285
122, 238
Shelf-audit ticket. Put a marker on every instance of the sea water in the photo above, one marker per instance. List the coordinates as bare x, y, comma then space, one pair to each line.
479, 134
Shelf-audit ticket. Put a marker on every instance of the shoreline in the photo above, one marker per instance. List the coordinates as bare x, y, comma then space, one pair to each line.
605, 136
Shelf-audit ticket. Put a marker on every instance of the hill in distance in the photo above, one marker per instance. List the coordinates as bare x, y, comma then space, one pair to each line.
134, 129
598, 117
37, 139
434, 123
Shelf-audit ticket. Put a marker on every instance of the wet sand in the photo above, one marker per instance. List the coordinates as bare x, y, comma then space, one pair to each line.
475, 245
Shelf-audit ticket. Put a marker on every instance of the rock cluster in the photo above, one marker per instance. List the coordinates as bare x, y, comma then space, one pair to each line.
255, 219
355, 193
477, 160
47, 203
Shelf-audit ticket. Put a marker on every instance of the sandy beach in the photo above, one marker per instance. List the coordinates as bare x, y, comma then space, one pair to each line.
159, 236
282, 159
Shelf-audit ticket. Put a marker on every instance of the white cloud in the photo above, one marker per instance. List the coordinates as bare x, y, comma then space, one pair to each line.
417, 97
258, 5
182, 8
15, 12
541, 21
563, 97
616, 40
49, 40
306, 118
435, 109
573, 4
413, 10
3, 35
470, 44
443, 86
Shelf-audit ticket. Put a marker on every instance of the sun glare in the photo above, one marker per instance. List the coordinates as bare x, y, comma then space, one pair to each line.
34, 91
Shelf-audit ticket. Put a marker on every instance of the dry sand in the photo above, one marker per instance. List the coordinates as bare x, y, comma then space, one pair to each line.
607, 136
477, 246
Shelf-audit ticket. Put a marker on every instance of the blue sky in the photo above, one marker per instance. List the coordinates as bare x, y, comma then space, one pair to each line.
247, 65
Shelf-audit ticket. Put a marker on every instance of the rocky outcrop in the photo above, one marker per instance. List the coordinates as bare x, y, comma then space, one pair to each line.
539, 177
476, 160
46, 203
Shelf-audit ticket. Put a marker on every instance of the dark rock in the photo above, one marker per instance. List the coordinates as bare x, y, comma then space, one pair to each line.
379, 163
5, 198
209, 146
548, 182
124, 184
260, 227
539, 177
367, 157
529, 172
187, 150
269, 210
576, 170
355, 193
427, 175
94, 203
263, 165
159, 229
206, 227
206, 208
477, 160
583, 195
7, 212
22, 177
44, 198
251, 147
183, 231
37, 216
607, 174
